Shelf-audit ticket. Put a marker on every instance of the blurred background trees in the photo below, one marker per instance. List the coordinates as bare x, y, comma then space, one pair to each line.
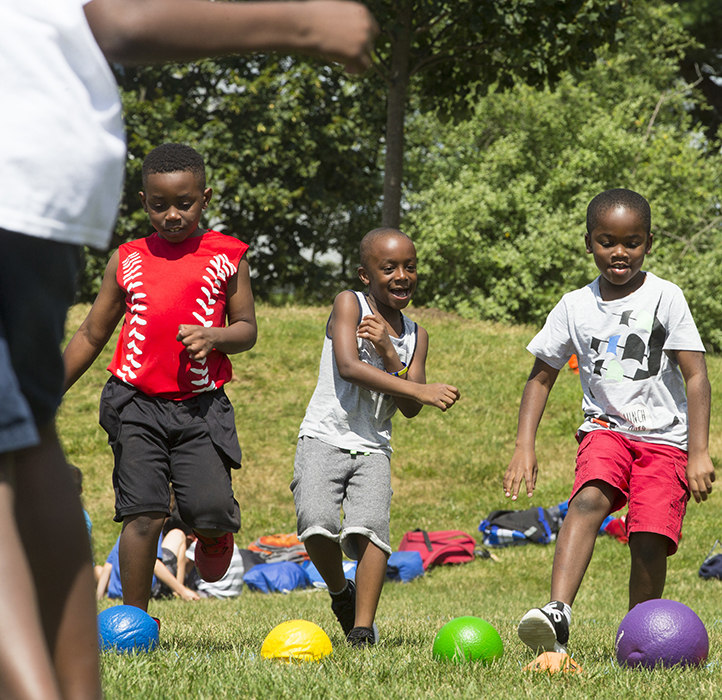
508, 118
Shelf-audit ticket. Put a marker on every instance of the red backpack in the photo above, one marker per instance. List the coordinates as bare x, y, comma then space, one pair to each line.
440, 547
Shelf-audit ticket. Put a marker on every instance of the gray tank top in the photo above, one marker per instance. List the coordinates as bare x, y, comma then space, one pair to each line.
345, 415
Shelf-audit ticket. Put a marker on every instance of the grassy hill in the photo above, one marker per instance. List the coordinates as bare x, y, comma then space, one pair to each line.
447, 471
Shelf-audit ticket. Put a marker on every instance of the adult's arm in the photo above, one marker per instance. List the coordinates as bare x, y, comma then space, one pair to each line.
155, 31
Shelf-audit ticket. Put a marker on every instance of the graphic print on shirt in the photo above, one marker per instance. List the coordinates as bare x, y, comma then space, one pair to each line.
132, 280
206, 312
632, 353
218, 271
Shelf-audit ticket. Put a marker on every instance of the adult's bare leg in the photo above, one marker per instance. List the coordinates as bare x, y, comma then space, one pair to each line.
55, 539
26, 671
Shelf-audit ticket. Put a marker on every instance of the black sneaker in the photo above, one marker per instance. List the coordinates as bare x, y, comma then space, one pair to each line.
361, 637
344, 607
545, 629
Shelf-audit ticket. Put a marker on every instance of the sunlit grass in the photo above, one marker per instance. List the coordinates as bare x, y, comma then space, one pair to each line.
447, 474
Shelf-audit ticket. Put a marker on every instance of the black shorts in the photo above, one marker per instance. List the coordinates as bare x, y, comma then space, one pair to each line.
191, 443
37, 285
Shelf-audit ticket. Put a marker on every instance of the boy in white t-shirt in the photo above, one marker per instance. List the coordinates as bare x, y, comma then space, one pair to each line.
640, 442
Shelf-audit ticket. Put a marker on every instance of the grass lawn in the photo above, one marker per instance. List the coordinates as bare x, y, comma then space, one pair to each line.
447, 471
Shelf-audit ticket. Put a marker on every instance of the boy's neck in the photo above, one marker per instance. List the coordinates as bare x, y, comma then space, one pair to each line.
613, 292
392, 317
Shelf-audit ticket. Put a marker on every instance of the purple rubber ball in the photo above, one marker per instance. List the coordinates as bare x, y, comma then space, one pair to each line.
661, 632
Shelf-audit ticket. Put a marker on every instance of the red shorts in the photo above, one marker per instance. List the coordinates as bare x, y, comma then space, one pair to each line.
652, 478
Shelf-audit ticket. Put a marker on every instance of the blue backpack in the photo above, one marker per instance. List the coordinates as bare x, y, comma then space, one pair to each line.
504, 528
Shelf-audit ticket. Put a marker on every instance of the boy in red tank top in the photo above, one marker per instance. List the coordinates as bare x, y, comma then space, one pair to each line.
184, 294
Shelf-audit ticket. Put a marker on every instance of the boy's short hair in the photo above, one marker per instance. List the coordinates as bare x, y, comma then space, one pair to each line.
371, 237
616, 198
173, 158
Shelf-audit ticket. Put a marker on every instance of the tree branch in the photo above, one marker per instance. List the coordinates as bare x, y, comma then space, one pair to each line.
425, 63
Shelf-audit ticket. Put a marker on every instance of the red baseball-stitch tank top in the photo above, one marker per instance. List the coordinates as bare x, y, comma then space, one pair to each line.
168, 284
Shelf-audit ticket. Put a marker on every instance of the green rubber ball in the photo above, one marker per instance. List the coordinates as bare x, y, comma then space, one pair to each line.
467, 639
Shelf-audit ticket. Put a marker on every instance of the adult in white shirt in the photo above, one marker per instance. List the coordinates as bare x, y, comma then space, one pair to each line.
62, 153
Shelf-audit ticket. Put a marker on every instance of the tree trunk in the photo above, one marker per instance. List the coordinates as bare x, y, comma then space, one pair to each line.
395, 114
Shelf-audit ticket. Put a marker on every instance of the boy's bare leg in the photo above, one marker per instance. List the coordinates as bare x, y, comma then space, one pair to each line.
26, 671
370, 577
575, 544
137, 554
649, 566
54, 536
327, 558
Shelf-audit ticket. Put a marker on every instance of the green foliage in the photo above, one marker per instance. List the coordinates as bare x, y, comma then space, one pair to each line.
458, 48
445, 52
291, 151
499, 206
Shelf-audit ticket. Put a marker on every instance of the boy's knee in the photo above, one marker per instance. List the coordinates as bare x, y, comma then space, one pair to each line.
593, 499
144, 524
648, 547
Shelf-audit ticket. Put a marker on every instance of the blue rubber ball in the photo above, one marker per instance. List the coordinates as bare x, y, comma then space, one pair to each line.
125, 628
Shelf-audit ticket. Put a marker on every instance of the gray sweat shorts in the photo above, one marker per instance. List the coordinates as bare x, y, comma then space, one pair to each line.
328, 479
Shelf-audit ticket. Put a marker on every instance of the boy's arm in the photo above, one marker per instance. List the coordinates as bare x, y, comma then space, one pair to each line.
342, 327
154, 31
95, 331
373, 328
415, 373
164, 574
700, 470
523, 463
240, 333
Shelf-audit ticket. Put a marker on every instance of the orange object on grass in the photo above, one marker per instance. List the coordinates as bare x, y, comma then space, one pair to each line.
574, 364
554, 662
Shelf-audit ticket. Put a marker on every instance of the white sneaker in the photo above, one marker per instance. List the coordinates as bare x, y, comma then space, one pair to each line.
545, 629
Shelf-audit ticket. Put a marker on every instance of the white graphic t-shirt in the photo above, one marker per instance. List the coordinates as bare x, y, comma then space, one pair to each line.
627, 366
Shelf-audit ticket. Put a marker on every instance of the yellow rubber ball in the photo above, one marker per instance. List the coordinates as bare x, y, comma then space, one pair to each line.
296, 639
468, 639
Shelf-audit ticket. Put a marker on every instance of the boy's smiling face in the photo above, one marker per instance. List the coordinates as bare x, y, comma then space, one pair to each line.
390, 271
619, 243
174, 203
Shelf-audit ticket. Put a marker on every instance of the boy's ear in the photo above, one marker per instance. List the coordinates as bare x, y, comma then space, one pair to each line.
207, 194
363, 275
142, 200
648, 247
588, 242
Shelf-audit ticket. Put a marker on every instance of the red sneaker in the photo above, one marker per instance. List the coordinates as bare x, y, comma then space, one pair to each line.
213, 556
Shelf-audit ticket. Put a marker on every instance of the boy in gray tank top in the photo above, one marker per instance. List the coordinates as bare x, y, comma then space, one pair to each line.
373, 362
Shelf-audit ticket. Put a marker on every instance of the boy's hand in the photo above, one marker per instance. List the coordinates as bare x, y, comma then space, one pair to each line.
523, 465
443, 396
187, 594
373, 328
343, 32
700, 476
199, 341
